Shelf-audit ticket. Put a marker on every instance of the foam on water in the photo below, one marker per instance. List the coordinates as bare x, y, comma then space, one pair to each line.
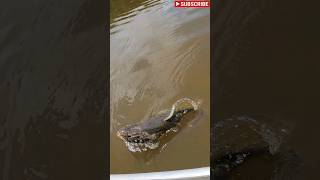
140, 147
177, 105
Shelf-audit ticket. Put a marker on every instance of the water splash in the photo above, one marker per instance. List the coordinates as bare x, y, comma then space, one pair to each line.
140, 147
175, 106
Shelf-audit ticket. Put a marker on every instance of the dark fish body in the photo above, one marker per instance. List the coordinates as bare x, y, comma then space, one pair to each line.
149, 131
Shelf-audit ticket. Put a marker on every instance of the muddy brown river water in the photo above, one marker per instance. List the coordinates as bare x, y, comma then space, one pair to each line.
158, 55
53, 91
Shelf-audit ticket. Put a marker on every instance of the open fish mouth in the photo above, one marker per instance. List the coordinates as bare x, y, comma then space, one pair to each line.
137, 139
137, 143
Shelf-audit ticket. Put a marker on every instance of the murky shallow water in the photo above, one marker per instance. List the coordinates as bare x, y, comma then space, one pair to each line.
158, 55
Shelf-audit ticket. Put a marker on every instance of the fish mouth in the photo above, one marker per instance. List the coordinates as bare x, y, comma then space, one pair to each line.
133, 139
121, 135
127, 138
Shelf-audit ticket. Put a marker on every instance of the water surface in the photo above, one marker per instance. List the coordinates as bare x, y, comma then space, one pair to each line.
158, 55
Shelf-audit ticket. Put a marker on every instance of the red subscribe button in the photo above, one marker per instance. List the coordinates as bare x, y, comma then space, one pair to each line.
192, 4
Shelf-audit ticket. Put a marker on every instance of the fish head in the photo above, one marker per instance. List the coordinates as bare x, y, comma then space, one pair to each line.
135, 134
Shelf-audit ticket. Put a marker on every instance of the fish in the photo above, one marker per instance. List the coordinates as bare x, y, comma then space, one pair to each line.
145, 135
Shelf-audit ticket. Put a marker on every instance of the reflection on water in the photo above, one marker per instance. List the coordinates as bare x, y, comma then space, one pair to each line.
158, 55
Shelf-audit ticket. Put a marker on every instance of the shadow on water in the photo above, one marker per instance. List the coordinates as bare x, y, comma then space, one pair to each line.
52, 90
